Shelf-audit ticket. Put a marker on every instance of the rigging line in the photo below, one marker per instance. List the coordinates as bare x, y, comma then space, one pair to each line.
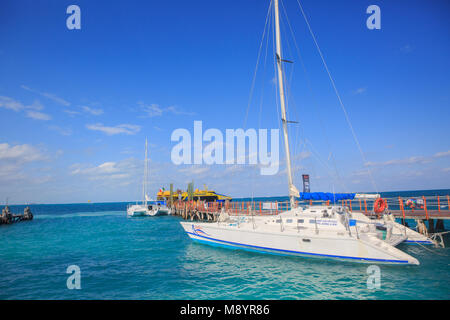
289, 84
308, 82
254, 78
262, 90
264, 76
338, 96
337, 177
256, 67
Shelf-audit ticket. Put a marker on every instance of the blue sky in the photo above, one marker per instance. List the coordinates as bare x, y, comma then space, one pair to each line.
76, 105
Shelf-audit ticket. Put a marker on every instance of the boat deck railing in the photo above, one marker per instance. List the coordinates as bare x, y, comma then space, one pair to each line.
418, 207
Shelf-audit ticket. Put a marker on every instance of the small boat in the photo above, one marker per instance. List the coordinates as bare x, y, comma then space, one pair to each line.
147, 207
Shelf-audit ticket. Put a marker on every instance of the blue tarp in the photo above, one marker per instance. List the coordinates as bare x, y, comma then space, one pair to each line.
325, 196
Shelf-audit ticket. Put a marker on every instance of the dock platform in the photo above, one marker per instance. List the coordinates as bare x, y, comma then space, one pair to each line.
8, 218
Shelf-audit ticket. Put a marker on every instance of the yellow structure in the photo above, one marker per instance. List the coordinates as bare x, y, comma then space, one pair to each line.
202, 195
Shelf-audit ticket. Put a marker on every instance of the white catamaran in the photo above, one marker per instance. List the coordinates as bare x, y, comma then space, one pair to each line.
315, 231
148, 207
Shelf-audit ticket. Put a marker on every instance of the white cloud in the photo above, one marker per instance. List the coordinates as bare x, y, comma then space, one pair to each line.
47, 95
61, 130
38, 115
20, 153
95, 112
360, 90
127, 169
302, 155
129, 129
195, 170
11, 104
410, 160
13, 163
442, 154
72, 112
154, 110
104, 168
407, 48
30, 110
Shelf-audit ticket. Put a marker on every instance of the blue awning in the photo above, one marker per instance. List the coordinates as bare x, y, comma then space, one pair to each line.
326, 196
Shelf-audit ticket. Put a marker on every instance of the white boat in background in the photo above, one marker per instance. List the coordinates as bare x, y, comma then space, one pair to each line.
316, 231
147, 207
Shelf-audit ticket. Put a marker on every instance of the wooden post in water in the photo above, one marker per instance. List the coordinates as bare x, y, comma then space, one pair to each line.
425, 206
400, 202
171, 196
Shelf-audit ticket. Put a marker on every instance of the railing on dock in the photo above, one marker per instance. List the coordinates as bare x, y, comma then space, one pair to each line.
418, 207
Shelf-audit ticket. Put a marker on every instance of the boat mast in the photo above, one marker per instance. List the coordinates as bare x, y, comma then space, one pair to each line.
144, 185
292, 189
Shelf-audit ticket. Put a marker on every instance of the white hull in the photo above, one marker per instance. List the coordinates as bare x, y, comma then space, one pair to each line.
149, 211
411, 236
344, 248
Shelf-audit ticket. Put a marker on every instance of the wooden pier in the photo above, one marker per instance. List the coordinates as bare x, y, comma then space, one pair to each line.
197, 210
8, 218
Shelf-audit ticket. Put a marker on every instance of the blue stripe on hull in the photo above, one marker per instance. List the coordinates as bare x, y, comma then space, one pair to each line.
229, 244
417, 242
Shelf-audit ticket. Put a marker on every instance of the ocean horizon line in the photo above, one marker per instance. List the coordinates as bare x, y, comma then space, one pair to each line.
234, 198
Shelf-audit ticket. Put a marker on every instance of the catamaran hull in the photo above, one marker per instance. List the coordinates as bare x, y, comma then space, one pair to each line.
348, 249
138, 211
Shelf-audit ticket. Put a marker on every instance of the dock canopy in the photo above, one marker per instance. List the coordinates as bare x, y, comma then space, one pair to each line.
326, 196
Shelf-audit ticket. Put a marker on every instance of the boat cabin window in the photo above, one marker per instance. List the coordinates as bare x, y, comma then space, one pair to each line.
300, 221
289, 221
149, 207
278, 221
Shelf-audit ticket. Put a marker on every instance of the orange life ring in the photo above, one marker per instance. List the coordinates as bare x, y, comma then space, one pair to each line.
380, 205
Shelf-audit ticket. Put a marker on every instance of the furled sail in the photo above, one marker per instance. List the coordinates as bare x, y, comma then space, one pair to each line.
293, 191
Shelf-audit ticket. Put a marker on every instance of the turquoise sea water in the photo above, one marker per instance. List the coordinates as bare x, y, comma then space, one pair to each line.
152, 258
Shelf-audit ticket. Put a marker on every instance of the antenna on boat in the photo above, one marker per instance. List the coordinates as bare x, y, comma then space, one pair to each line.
293, 192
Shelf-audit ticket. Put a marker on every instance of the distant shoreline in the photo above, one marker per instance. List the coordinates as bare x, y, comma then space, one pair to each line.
447, 191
